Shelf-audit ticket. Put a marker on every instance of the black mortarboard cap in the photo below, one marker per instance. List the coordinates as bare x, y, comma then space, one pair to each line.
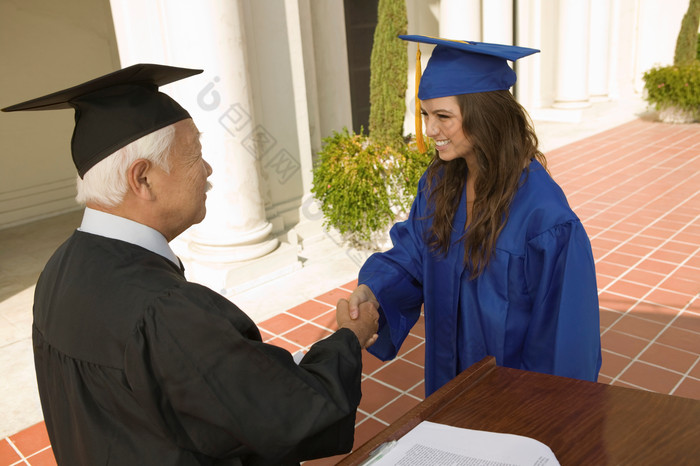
115, 109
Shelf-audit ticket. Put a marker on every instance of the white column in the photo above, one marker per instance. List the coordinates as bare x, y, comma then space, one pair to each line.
332, 86
210, 34
303, 71
498, 22
137, 26
529, 34
599, 69
460, 19
571, 89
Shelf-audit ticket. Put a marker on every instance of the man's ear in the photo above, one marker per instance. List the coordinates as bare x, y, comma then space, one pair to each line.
138, 175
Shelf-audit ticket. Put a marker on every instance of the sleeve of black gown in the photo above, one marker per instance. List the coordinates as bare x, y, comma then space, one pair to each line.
197, 361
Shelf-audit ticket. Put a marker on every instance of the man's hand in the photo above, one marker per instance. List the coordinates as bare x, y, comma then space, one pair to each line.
362, 294
364, 326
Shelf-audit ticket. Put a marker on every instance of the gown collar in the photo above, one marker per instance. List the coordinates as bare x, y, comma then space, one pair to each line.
112, 226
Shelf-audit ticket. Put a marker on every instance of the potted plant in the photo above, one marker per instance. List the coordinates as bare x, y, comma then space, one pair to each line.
366, 182
363, 186
675, 90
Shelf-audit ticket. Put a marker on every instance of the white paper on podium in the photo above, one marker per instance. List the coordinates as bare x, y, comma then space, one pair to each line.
441, 445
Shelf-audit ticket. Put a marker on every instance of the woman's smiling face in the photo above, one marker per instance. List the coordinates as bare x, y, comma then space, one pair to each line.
443, 122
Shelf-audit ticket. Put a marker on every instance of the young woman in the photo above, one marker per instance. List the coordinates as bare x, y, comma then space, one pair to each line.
491, 249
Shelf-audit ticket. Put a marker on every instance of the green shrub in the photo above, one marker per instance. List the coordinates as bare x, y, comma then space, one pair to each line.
363, 186
674, 86
366, 183
388, 72
686, 42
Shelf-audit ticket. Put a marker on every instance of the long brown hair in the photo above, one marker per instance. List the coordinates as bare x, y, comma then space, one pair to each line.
503, 140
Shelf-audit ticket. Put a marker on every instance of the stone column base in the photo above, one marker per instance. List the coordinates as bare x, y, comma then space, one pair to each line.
235, 277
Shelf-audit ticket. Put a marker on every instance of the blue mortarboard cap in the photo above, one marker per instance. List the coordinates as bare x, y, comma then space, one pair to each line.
462, 67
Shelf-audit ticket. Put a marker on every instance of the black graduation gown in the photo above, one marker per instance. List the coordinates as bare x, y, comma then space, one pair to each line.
137, 366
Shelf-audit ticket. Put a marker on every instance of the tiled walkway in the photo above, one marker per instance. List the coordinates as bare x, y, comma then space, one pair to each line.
637, 189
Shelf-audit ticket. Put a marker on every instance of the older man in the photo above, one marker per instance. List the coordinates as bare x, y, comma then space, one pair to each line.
138, 366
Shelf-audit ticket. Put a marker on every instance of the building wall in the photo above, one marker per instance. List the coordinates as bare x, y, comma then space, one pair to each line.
45, 46
318, 101
613, 41
274, 89
298, 82
299, 71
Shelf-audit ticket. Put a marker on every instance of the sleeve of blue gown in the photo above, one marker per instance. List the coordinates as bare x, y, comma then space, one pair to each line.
563, 337
396, 277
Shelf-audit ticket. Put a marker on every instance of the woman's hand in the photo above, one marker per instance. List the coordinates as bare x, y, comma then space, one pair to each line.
362, 294
364, 326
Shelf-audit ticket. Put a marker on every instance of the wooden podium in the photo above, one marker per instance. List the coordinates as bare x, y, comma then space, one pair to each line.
582, 422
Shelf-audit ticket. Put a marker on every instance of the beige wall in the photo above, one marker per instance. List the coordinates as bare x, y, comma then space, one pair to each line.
45, 45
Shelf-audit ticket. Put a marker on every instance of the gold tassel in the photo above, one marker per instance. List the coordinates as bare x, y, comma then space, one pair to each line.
419, 118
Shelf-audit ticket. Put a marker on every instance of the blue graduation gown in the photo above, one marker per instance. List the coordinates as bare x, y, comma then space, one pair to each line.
535, 306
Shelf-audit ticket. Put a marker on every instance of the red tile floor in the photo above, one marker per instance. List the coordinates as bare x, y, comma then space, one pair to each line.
637, 189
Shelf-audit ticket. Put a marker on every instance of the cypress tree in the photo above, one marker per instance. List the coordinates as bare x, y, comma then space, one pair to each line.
687, 42
388, 75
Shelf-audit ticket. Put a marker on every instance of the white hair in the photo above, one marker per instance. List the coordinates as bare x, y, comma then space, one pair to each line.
106, 182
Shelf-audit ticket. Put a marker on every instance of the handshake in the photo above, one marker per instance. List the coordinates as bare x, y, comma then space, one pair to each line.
360, 315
